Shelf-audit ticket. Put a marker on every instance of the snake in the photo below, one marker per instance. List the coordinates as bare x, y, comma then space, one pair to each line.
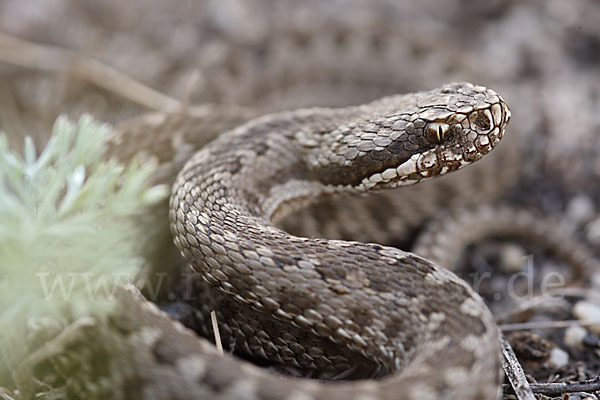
322, 303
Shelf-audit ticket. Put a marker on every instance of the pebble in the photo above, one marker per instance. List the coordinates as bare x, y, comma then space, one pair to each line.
559, 357
574, 336
593, 231
587, 311
580, 208
512, 258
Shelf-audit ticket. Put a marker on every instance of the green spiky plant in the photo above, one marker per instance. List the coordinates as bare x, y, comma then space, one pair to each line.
71, 230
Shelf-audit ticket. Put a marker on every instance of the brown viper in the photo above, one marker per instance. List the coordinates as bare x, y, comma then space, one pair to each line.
389, 306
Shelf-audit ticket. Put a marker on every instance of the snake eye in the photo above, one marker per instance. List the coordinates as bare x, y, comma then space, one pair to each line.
436, 131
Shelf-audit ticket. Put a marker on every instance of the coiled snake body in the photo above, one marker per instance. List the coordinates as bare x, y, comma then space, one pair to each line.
392, 307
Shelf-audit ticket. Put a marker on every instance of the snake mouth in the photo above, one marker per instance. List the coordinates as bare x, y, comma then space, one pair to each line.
433, 162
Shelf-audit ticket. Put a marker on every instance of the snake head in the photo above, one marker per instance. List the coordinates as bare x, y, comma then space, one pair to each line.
405, 139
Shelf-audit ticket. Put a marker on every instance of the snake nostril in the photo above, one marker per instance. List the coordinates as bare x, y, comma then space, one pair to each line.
482, 120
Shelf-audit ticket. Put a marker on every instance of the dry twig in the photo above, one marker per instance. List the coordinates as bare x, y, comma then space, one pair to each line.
57, 60
213, 318
561, 388
514, 372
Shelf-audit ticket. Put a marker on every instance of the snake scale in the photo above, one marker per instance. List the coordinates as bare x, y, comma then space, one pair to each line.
389, 306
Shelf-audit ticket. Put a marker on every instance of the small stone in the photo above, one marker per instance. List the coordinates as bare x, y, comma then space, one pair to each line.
592, 231
559, 357
512, 258
574, 336
587, 311
580, 208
